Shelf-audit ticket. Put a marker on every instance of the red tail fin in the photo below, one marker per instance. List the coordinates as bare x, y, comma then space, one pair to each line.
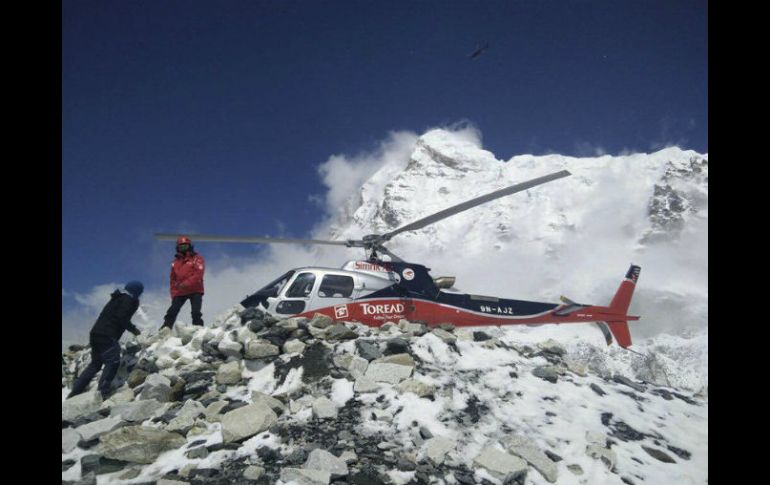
619, 305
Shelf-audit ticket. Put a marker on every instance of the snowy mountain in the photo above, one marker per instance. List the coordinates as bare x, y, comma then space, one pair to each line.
249, 399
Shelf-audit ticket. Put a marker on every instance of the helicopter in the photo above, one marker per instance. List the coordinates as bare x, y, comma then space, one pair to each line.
375, 291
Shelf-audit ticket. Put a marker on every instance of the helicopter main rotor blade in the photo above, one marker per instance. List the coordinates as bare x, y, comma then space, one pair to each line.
393, 257
238, 239
419, 224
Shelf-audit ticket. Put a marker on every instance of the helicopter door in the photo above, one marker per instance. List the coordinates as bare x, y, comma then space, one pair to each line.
335, 289
297, 298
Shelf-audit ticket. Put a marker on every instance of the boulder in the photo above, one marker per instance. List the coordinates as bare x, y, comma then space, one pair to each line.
294, 346
137, 377
229, 348
192, 409
600, 452
229, 373
247, 421
156, 387
69, 439
340, 332
301, 476
367, 350
324, 408
390, 373
445, 336
258, 349
277, 406
97, 428
80, 405
181, 424
324, 461
548, 373
417, 387
253, 472
138, 444
138, 410
528, 450
435, 449
320, 321
400, 359
501, 465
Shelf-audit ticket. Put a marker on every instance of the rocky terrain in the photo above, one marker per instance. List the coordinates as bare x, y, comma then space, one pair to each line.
252, 399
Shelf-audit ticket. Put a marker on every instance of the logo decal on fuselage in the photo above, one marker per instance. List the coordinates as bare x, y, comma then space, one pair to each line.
408, 274
386, 308
341, 311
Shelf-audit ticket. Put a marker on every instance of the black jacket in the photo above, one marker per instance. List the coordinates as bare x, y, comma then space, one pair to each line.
116, 316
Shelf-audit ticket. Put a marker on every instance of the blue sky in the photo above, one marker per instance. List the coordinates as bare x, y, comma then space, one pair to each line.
214, 116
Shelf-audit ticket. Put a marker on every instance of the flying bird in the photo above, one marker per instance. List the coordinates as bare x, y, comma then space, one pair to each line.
479, 50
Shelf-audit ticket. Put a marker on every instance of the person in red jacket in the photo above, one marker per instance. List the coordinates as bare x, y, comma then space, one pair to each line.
186, 282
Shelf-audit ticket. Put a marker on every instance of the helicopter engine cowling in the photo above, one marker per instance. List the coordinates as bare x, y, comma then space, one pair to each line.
444, 281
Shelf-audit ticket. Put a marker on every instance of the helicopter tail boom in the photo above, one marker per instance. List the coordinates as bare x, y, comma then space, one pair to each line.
619, 305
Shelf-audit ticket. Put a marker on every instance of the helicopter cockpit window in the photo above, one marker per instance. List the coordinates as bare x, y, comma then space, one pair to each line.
302, 286
277, 285
336, 286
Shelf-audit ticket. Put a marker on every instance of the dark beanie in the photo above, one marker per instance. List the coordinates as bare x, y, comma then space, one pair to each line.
135, 288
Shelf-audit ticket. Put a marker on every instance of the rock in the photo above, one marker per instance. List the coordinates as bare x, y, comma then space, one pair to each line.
297, 405
138, 444
447, 327
419, 388
258, 349
576, 367
256, 325
80, 405
192, 409
293, 346
166, 481
400, 359
425, 433
340, 332
253, 472
165, 362
412, 328
316, 332
479, 336
435, 449
199, 452
602, 453
247, 421
186, 332
576, 469
445, 336
130, 474
501, 465
229, 348
598, 390
551, 346
528, 450
138, 410
396, 345
229, 373
69, 439
349, 456
277, 406
548, 373
324, 408
181, 424
368, 350
658, 454
365, 384
357, 367
301, 476
390, 373
156, 387
100, 465
137, 377
628, 382
324, 461
320, 321
123, 396
97, 428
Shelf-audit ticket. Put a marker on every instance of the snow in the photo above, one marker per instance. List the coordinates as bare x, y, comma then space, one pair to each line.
342, 391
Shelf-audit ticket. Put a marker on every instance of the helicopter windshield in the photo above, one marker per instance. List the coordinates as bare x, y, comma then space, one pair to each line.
275, 287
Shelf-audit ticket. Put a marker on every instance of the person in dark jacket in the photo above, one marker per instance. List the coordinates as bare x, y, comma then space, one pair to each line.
186, 282
114, 319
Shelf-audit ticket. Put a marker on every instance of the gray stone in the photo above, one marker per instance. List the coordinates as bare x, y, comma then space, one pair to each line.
316, 332
325, 461
247, 421
181, 424
156, 387
320, 321
138, 444
602, 453
357, 367
137, 377
349, 456
138, 410
447, 337
192, 409
527, 449
213, 411
229, 373
80, 405
400, 359
69, 439
390, 373
253, 472
258, 349
365, 384
548, 373
551, 346
166, 481
122, 396
97, 428
297, 405
340, 332
368, 350
575, 469
435, 449
294, 346
628, 382
501, 465
301, 476
324, 408
277, 406
229, 348
199, 452
421, 389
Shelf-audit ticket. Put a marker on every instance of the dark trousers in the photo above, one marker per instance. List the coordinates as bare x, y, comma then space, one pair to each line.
196, 301
104, 351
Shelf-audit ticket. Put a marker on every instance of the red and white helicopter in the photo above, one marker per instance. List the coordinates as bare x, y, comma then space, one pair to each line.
375, 291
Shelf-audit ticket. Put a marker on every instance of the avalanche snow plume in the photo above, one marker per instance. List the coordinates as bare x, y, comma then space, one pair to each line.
253, 399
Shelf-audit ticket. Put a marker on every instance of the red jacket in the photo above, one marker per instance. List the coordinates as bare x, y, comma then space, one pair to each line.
187, 274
